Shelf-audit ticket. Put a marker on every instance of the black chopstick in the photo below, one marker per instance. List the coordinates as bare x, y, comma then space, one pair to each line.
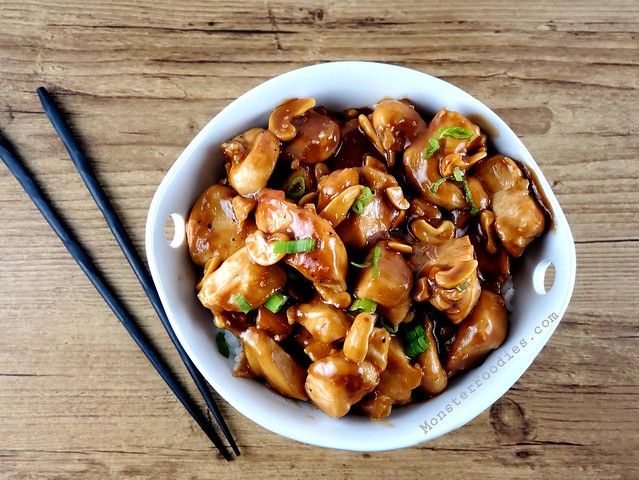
113, 220
25, 178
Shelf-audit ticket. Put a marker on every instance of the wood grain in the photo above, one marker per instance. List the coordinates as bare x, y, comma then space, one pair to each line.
139, 79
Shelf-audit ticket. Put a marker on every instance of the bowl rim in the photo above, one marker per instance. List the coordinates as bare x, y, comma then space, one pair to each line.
328, 69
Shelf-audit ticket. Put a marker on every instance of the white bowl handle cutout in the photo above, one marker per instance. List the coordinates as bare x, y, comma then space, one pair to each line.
544, 277
175, 230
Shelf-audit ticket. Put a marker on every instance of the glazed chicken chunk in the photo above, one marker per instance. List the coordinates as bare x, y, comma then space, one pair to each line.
518, 218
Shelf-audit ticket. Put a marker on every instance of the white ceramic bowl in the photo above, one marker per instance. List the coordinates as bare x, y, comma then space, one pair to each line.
338, 86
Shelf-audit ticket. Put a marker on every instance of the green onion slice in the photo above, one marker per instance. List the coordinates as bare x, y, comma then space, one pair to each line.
242, 303
415, 342
463, 286
415, 333
276, 302
364, 199
474, 210
459, 176
363, 304
433, 146
294, 246
389, 327
435, 186
222, 346
296, 187
377, 253
459, 133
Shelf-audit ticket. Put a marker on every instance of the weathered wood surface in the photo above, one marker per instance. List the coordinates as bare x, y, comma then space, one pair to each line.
139, 79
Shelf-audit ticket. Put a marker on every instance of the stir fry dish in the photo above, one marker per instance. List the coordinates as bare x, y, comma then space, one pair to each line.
360, 256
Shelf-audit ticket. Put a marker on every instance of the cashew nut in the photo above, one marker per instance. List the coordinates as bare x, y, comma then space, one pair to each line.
337, 209
426, 232
280, 121
260, 247
356, 342
396, 197
253, 156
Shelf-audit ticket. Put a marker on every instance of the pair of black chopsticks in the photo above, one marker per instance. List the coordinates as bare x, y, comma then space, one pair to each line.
86, 172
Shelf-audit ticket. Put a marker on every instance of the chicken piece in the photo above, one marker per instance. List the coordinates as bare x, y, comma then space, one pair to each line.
379, 215
484, 330
395, 386
253, 156
448, 271
327, 263
518, 217
334, 384
423, 172
275, 325
312, 347
316, 139
434, 379
378, 345
325, 322
239, 275
212, 229
391, 287
269, 361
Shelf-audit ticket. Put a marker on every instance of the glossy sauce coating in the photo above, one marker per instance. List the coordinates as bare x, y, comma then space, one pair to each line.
413, 224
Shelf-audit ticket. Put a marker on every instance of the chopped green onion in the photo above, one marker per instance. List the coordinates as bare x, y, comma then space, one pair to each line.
435, 186
242, 303
433, 146
222, 346
458, 175
459, 133
415, 333
362, 265
469, 198
296, 187
377, 254
363, 304
276, 302
294, 246
463, 286
415, 342
364, 199
389, 327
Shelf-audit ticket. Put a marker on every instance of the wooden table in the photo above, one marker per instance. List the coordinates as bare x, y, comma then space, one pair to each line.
139, 80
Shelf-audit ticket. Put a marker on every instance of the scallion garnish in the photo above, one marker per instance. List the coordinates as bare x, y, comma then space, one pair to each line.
276, 302
242, 303
296, 187
377, 253
363, 304
469, 198
459, 133
294, 246
435, 186
459, 177
415, 342
364, 199
222, 346
389, 327
433, 146
463, 286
